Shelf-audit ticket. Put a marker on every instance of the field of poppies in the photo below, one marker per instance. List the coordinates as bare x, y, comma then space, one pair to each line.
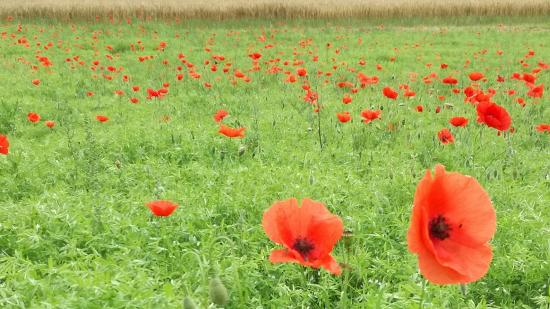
272, 164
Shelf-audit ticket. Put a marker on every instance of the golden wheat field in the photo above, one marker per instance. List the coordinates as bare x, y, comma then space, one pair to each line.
273, 8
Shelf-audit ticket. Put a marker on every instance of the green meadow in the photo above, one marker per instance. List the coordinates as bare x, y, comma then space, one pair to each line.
74, 228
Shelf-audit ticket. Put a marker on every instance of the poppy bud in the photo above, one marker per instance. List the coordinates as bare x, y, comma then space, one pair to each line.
242, 149
218, 292
188, 303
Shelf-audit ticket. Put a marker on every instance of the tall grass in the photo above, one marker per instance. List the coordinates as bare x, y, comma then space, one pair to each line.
216, 9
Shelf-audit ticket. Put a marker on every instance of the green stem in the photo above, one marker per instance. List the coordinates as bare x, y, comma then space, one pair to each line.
423, 293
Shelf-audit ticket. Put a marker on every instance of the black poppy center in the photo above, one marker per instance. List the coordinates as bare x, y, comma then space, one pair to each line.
439, 228
303, 246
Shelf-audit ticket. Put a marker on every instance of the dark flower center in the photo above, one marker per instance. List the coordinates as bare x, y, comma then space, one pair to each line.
439, 228
303, 246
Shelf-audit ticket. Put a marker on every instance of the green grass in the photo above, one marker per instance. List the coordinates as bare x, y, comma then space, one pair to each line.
74, 231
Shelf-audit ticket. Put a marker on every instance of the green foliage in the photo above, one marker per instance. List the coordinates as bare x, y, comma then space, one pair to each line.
74, 230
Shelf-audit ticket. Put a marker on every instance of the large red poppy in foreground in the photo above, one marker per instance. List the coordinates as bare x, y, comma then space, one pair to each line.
308, 233
452, 221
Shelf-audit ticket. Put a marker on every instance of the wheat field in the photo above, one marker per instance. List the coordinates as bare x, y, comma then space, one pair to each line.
211, 9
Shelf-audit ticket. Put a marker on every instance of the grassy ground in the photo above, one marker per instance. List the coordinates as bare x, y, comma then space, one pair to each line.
74, 231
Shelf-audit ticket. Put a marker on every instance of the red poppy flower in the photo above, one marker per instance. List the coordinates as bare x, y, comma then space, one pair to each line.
475, 76
231, 132
493, 115
419, 108
346, 99
33, 117
101, 118
343, 117
370, 115
541, 128
301, 72
459, 121
308, 233
445, 136
529, 78
449, 80
218, 117
255, 56
390, 93
162, 208
452, 221
536, 91
36, 82
50, 124
4, 144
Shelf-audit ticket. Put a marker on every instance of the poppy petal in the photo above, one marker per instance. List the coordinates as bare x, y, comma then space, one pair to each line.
325, 229
471, 262
282, 256
466, 204
437, 273
279, 220
418, 235
330, 264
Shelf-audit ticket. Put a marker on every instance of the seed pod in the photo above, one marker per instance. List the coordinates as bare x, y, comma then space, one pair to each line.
188, 303
218, 292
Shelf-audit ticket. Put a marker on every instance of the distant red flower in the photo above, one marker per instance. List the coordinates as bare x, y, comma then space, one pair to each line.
343, 117
390, 93
419, 108
449, 80
536, 91
50, 124
346, 99
232, 132
255, 56
4, 144
162, 208
452, 221
493, 115
220, 114
36, 82
530, 78
475, 76
134, 100
301, 72
543, 128
370, 115
308, 233
409, 93
33, 117
459, 121
445, 136
101, 118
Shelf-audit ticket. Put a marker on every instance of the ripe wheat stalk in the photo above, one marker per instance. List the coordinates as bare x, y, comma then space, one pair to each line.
215, 9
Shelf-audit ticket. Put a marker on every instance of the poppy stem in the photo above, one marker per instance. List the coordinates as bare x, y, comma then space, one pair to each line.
319, 125
423, 293
463, 289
